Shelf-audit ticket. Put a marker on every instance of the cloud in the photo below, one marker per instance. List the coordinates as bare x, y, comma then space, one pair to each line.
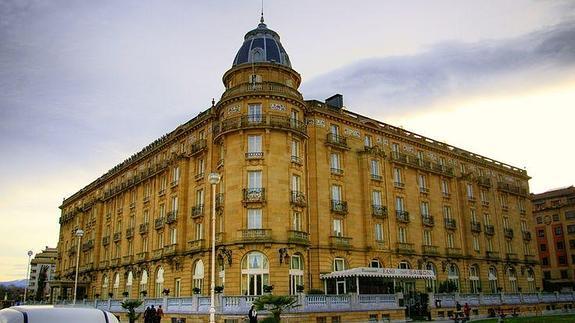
402, 84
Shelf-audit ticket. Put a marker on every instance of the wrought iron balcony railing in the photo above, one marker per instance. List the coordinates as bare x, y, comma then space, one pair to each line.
450, 224
143, 228
489, 229
427, 220
336, 140
508, 233
298, 198
339, 207
254, 195
402, 216
475, 226
159, 223
379, 211
197, 210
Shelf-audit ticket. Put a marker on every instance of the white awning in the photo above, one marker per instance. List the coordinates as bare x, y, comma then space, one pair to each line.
381, 273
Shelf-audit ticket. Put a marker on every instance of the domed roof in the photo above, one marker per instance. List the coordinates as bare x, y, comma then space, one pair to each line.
262, 45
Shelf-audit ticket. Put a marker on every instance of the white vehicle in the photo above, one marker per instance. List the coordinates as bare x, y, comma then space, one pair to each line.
55, 314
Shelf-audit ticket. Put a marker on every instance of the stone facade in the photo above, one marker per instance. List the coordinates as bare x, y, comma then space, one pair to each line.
307, 187
43, 264
554, 216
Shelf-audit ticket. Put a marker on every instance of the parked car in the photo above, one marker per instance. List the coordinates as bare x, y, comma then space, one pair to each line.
55, 314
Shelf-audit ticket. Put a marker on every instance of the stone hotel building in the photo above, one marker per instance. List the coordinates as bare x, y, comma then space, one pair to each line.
307, 188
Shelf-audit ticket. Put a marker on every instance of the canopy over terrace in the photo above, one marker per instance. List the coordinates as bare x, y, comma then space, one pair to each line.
375, 280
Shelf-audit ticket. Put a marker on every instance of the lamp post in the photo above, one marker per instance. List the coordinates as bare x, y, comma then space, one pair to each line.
214, 179
30, 253
79, 234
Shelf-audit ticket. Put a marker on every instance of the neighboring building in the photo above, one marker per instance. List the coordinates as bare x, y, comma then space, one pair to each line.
554, 214
307, 188
42, 270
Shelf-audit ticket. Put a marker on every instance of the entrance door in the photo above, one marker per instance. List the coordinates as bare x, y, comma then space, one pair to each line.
255, 284
340, 287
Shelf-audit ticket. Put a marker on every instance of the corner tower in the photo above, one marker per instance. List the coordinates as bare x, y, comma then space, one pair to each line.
260, 138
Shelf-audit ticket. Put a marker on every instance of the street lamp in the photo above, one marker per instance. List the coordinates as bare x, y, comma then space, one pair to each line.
79, 234
30, 253
214, 179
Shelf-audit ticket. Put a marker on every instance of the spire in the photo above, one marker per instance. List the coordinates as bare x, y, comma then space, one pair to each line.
262, 17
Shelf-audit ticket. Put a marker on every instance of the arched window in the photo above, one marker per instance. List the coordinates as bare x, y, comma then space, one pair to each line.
404, 265
144, 282
453, 275
474, 282
255, 273
129, 281
159, 282
374, 263
512, 276
531, 280
198, 277
492, 277
431, 284
116, 289
338, 264
105, 284
295, 273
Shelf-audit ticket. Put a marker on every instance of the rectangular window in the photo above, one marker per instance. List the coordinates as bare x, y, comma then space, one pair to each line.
376, 198
395, 147
570, 215
173, 236
296, 221
399, 203
397, 178
489, 244
336, 193
470, 194
177, 287
473, 215
447, 212
254, 218
422, 182
337, 228
144, 244
367, 141
374, 168
425, 209
484, 196
162, 211
160, 240
199, 231
254, 179
296, 183
378, 232
445, 187
254, 144
199, 197
254, 113
427, 238
295, 148
335, 163
334, 129
402, 234
175, 204
450, 240
175, 175
475, 243
201, 167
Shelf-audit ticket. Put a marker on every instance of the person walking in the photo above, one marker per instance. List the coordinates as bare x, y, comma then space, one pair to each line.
253, 315
466, 311
147, 315
152, 314
159, 314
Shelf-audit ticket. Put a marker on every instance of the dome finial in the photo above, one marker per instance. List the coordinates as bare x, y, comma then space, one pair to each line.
262, 17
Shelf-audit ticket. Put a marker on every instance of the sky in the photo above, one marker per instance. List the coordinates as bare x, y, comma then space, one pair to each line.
85, 84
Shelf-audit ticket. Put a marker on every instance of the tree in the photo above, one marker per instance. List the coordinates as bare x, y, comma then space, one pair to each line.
276, 304
131, 305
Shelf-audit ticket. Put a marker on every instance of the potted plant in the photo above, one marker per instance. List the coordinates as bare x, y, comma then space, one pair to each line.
125, 294
96, 296
144, 293
268, 288
166, 292
299, 288
110, 294
196, 290
219, 289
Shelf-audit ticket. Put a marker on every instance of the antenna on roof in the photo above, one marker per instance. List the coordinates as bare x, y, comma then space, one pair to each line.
262, 18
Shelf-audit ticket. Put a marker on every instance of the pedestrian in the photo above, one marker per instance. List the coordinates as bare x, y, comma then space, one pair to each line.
153, 314
159, 314
253, 315
147, 315
458, 312
466, 311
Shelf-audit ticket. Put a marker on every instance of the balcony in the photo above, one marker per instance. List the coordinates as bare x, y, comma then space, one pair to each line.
402, 216
255, 155
475, 226
453, 252
508, 233
159, 223
162, 192
530, 259
103, 264
143, 228
120, 210
504, 207
106, 240
471, 198
258, 121
340, 242
126, 260
415, 162
174, 183
526, 235
115, 262
484, 203
484, 181
88, 245
376, 177
512, 189
196, 245
198, 146
296, 160
339, 207
492, 255
142, 256
400, 185
220, 163
298, 199
379, 211
169, 250
146, 199
450, 224
430, 250
404, 248
336, 171
117, 236
199, 176
132, 205
254, 195
512, 256
489, 229
446, 195
374, 150
197, 210
219, 201
172, 217
129, 233
336, 141
423, 190
157, 253
427, 220
298, 237
256, 235
522, 211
